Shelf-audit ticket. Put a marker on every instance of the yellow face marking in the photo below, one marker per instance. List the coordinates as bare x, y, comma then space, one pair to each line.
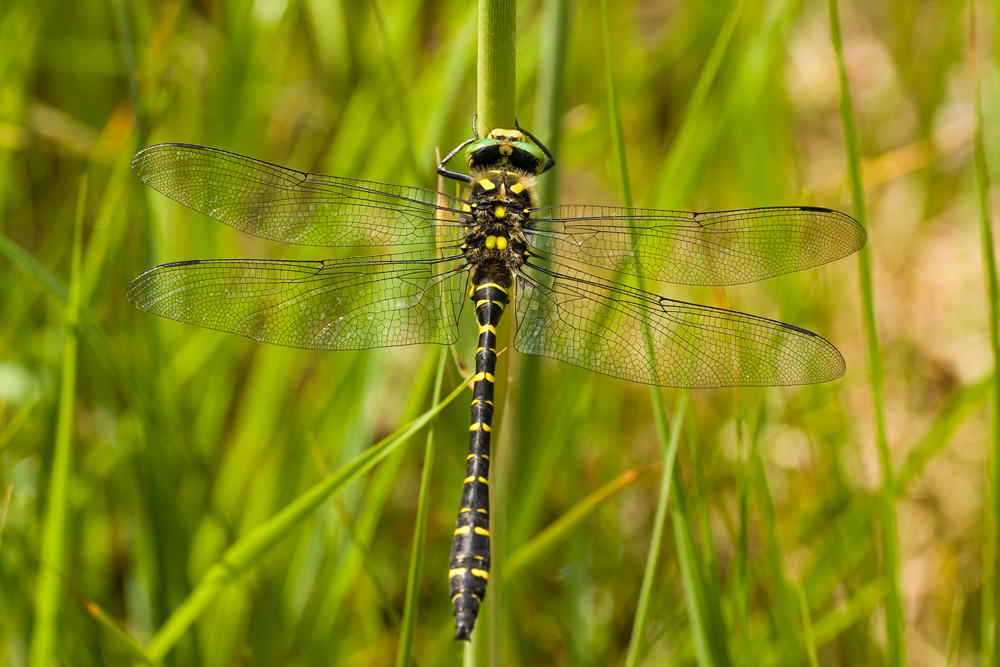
506, 150
500, 211
501, 243
480, 531
458, 571
486, 184
485, 285
467, 208
482, 574
517, 188
491, 242
464, 530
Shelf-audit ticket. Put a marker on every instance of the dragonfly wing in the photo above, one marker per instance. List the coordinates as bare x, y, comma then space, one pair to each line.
349, 304
715, 248
290, 206
634, 335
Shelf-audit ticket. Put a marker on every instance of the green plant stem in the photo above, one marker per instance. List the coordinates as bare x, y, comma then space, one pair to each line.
659, 522
990, 645
496, 65
53, 552
496, 75
890, 542
404, 655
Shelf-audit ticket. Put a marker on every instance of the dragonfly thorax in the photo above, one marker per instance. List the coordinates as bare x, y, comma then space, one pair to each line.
499, 203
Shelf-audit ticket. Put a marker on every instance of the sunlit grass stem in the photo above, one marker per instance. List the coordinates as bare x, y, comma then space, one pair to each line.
990, 645
895, 641
53, 555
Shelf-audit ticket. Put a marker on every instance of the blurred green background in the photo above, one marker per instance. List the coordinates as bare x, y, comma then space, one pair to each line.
183, 439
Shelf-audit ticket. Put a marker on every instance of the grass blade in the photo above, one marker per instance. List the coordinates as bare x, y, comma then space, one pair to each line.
404, 654
247, 552
660, 519
561, 528
990, 646
53, 551
664, 186
895, 641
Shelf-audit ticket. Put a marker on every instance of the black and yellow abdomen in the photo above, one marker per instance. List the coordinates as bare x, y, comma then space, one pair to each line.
469, 568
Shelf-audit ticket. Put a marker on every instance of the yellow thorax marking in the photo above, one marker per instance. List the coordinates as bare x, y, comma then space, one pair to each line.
501, 243
503, 191
486, 184
500, 211
467, 208
491, 242
517, 188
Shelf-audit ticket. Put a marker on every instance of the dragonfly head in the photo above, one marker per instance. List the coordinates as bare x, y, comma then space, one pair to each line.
506, 147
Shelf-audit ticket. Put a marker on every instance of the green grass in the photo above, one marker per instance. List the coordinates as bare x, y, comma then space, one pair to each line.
185, 445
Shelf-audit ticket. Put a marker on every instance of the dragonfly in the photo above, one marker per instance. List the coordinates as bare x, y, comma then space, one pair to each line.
558, 267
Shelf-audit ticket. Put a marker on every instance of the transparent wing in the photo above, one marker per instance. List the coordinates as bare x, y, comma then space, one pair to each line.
350, 304
716, 248
601, 326
291, 206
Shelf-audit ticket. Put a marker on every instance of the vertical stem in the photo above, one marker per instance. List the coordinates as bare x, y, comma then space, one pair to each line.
890, 543
496, 65
53, 552
496, 94
549, 99
990, 647
404, 656
614, 115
